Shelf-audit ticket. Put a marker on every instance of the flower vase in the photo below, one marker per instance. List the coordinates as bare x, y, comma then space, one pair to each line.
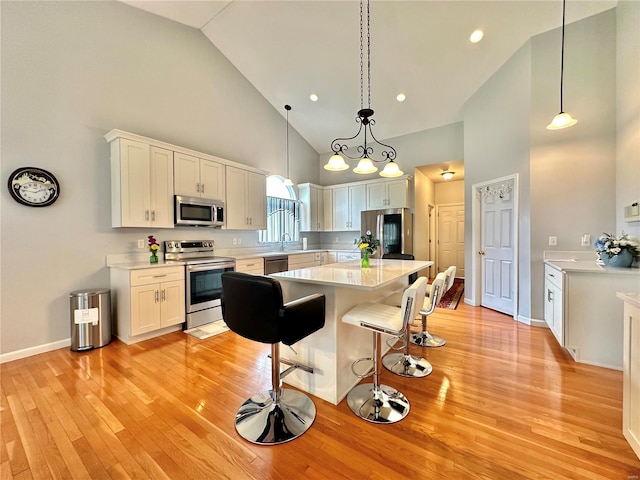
624, 259
364, 261
153, 258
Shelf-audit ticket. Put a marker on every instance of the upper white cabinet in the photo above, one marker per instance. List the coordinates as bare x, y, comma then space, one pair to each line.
348, 202
312, 209
197, 177
246, 206
141, 185
388, 194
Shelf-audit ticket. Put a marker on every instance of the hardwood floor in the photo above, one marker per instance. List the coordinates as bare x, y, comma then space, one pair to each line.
503, 402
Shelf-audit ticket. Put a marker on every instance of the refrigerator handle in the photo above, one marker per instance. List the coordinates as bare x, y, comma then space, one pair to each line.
380, 233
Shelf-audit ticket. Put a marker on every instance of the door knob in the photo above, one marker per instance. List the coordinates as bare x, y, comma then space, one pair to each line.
480, 252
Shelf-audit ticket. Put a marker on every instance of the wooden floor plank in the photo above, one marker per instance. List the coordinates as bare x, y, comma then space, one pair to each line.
504, 402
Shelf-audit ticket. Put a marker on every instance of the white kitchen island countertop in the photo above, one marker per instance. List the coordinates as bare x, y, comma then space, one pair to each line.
351, 275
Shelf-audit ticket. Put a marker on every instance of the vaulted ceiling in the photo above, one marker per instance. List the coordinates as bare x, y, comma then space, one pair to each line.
290, 49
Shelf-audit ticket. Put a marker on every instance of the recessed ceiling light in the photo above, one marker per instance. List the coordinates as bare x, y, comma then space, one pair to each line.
476, 36
313, 97
401, 97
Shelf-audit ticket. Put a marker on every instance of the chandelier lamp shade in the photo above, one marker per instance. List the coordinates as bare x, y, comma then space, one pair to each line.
562, 119
287, 181
364, 152
447, 174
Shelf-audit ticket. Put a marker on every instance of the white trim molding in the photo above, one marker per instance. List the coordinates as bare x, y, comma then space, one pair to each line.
28, 352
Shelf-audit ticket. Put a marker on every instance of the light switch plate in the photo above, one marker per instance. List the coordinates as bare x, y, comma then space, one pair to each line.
553, 241
586, 240
140, 243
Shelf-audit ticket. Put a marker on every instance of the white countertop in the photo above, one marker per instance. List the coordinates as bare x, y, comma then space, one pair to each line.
141, 265
352, 275
589, 266
275, 253
632, 298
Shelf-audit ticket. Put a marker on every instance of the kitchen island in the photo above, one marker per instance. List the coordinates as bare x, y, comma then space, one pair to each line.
332, 350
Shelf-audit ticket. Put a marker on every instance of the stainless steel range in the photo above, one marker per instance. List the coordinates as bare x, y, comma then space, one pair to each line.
203, 272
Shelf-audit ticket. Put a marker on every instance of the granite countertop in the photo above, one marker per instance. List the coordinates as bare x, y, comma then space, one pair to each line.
632, 298
352, 275
590, 266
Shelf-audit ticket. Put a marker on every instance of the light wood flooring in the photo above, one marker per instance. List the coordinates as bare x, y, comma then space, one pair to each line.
503, 402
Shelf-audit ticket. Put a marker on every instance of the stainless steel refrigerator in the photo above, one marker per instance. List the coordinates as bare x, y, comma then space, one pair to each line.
393, 227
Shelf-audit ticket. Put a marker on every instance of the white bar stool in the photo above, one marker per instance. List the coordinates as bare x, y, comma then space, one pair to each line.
424, 338
375, 402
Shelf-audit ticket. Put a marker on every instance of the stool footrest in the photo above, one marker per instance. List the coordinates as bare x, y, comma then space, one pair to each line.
363, 375
425, 339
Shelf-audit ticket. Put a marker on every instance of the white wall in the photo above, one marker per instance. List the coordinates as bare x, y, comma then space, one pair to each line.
627, 112
449, 192
71, 71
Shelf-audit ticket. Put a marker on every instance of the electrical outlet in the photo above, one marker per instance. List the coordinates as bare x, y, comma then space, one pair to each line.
586, 240
240, 241
235, 241
140, 243
553, 241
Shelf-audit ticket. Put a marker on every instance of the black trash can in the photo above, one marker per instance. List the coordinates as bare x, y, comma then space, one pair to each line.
90, 318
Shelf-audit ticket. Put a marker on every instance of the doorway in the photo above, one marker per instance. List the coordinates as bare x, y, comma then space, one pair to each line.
494, 246
450, 235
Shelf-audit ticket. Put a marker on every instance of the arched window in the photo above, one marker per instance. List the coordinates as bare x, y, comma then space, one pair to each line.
283, 212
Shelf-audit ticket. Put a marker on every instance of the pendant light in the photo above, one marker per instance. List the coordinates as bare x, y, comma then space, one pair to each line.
562, 119
365, 120
287, 181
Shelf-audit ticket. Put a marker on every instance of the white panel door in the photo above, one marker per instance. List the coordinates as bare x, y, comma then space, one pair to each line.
497, 250
451, 238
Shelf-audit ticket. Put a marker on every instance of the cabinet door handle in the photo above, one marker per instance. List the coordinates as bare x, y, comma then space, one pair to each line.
158, 276
549, 295
153, 215
164, 295
146, 215
250, 221
197, 187
157, 294
202, 188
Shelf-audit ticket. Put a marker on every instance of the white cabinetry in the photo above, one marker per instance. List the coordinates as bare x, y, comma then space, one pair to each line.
348, 202
553, 306
141, 185
301, 260
312, 208
149, 301
254, 265
197, 177
388, 194
631, 373
327, 194
246, 207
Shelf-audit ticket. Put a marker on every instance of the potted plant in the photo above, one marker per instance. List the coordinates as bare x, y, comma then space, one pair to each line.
368, 245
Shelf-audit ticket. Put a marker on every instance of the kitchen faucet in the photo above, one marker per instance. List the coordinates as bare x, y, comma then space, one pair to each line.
285, 234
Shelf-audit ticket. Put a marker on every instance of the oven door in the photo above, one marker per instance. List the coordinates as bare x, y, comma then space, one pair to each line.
204, 284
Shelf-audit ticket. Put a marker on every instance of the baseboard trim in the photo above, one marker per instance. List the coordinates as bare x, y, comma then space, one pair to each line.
532, 322
28, 352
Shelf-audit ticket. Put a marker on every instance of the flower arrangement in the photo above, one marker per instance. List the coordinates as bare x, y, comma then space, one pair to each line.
610, 245
368, 243
153, 244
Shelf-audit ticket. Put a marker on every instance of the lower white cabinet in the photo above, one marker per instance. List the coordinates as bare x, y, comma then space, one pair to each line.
254, 265
301, 260
631, 376
553, 297
149, 301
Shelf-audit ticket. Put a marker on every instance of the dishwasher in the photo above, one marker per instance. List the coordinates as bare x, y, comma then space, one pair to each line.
276, 264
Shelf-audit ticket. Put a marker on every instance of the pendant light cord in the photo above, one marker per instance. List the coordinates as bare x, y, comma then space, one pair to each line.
287, 108
562, 56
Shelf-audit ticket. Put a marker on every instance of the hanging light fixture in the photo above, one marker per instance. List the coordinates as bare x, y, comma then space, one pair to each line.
364, 118
562, 119
447, 174
287, 181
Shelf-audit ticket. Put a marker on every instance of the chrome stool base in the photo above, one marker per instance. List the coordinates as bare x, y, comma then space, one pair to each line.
387, 406
425, 339
407, 365
264, 421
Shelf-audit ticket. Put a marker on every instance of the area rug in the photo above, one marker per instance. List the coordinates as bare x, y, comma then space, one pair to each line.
451, 298
208, 330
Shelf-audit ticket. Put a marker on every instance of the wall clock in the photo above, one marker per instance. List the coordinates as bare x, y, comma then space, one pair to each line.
34, 187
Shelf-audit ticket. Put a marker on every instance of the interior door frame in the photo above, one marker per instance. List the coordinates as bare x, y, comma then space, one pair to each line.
437, 236
475, 298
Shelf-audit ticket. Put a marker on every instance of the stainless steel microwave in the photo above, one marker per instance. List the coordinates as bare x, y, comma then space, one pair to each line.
198, 212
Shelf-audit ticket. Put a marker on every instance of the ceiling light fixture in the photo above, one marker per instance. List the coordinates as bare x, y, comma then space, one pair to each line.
447, 175
365, 164
401, 97
476, 36
562, 119
287, 181
313, 97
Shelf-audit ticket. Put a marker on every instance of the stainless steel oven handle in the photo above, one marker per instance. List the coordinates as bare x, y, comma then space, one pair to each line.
210, 266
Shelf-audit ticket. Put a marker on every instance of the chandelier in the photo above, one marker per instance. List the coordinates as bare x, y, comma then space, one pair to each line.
365, 121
